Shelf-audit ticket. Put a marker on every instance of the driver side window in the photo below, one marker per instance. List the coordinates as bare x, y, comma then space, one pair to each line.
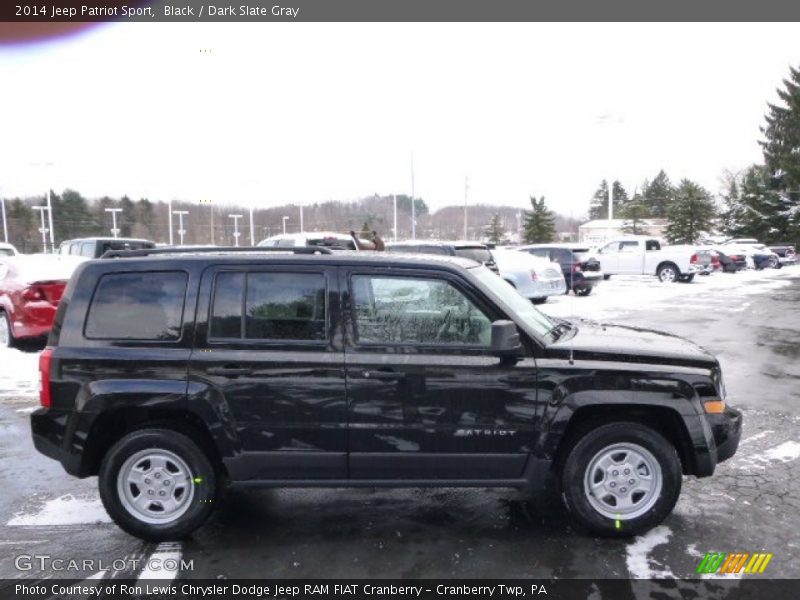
416, 310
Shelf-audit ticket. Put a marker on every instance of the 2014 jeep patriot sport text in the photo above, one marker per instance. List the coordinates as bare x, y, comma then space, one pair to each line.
171, 376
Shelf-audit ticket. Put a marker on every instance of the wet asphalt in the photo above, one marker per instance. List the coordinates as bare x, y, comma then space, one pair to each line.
751, 504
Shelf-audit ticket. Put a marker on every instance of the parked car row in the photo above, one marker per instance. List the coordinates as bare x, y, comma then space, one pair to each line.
29, 295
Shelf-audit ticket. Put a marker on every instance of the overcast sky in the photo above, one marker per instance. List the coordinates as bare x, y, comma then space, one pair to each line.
276, 113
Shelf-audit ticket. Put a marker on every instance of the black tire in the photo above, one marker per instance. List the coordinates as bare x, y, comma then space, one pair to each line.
9, 342
591, 443
202, 482
539, 300
583, 290
606, 277
686, 278
668, 272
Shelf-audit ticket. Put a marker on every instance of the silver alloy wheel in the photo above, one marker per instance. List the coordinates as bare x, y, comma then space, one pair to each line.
5, 332
773, 262
667, 275
623, 481
155, 486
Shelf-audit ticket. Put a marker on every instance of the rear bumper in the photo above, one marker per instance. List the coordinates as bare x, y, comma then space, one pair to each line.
35, 319
49, 429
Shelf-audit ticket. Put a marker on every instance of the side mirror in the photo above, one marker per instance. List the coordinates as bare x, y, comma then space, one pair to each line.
505, 340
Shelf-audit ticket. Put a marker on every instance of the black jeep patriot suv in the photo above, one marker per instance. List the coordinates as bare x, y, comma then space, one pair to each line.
171, 376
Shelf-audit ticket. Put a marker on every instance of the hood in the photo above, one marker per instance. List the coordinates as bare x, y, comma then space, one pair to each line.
601, 341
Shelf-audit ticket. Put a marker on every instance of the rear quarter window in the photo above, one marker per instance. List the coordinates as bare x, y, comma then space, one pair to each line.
137, 306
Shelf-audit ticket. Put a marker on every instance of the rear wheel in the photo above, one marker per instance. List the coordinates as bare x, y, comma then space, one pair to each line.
539, 300
621, 479
606, 277
157, 484
774, 263
6, 335
583, 290
668, 273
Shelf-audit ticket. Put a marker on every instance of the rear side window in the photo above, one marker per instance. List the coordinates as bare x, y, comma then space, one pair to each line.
137, 306
269, 306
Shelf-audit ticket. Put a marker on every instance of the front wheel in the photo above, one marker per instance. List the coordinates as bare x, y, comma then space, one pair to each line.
157, 484
583, 290
621, 479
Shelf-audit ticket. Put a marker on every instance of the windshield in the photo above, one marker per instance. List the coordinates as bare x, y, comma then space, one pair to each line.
522, 307
479, 254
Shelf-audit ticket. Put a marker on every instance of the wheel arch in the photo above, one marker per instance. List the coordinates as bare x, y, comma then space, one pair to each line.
665, 420
111, 426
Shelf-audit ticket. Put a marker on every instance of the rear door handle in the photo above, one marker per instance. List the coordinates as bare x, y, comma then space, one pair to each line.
383, 375
231, 371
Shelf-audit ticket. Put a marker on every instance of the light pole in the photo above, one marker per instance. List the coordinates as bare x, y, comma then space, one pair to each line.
169, 213
394, 199
50, 221
5, 224
43, 229
466, 191
236, 233
284, 219
181, 230
252, 229
301, 220
114, 211
413, 209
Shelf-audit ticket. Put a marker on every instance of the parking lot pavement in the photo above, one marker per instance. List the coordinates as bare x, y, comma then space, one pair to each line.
751, 504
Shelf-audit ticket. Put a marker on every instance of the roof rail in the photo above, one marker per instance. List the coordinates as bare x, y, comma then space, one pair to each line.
213, 249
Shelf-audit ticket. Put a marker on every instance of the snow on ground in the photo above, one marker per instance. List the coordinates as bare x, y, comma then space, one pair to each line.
640, 564
19, 373
631, 292
66, 510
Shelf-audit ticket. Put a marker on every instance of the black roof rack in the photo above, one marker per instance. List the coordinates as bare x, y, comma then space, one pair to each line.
213, 249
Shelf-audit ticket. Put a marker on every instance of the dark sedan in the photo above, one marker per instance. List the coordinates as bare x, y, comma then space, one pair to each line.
581, 270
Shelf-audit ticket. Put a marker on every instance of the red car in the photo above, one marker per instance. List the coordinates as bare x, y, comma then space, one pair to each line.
30, 290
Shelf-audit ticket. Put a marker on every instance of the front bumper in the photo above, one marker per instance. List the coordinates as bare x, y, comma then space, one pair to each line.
726, 429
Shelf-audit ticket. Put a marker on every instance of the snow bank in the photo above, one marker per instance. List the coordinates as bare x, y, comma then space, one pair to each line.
66, 510
786, 452
19, 373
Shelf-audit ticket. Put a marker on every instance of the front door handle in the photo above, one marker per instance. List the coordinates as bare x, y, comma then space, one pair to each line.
229, 371
382, 375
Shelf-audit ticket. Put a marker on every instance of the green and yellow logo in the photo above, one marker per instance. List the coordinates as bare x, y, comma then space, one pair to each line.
734, 562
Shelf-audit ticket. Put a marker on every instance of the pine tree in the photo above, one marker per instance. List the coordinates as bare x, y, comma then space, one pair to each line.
691, 213
634, 211
781, 148
127, 218
658, 195
598, 208
754, 209
366, 231
495, 230
539, 223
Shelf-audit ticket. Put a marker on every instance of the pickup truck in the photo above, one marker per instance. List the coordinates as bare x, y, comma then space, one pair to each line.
642, 255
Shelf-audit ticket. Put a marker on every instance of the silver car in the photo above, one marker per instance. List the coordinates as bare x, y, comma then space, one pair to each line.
533, 277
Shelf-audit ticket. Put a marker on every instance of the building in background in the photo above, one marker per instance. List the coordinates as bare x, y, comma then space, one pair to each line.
598, 231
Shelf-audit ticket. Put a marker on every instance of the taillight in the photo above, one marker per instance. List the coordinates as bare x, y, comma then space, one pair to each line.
32, 294
576, 267
45, 360
49, 291
693, 260
534, 276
